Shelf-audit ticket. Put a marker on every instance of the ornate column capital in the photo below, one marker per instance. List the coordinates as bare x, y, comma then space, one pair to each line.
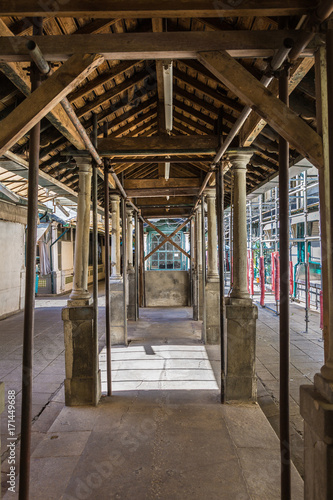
240, 158
84, 163
210, 193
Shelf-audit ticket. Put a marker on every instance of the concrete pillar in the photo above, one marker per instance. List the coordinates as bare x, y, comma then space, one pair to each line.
316, 401
212, 309
131, 307
115, 237
118, 324
82, 383
241, 313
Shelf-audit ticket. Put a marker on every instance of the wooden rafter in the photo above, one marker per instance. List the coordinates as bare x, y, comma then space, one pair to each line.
45, 98
254, 94
254, 124
21, 80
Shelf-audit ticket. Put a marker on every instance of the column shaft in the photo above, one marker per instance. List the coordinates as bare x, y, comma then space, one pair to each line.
212, 272
115, 237
239, 227
130, 238
81, 255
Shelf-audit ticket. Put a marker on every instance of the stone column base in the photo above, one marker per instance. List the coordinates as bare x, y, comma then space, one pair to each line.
316, 406
118, 323
83, 379
212, 312
131, 306
241, 382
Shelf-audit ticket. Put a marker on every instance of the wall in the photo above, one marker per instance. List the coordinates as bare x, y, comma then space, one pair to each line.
167, 288
12, 265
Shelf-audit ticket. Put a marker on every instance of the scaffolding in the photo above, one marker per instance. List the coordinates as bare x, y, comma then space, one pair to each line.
263, 242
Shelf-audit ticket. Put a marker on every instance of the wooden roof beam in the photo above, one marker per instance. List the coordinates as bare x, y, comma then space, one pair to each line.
58, 117
162, 145
287, 123
163, 8
255, 124
45, 98
167, 45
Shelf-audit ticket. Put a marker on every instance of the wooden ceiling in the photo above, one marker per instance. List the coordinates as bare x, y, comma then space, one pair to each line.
128, 94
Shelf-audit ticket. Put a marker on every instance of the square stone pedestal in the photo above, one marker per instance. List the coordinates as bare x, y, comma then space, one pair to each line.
212, 312
118, 321
131, 306
83, 378
241, 383
316, 406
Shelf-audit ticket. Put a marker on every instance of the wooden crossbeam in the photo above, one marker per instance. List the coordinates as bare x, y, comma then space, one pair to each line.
152, 193
122, 46
167, 238
150, 8
46, 97
162, 145
281, 118
162, 183
58, 117
254, 124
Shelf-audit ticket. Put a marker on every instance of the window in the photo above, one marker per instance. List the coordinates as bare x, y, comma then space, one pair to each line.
167, 257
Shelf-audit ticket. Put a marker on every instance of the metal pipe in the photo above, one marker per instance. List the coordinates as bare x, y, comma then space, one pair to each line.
203, 257
323, 12
306, 256
107, 272
142, 267
29, 305
95, 263
220, 234
191, 264
284, 299
124, 247
136, 269
38, 58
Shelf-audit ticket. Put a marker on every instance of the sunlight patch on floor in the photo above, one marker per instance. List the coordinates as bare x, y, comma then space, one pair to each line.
161, 367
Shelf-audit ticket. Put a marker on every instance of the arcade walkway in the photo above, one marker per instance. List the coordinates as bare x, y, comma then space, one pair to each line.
164, 434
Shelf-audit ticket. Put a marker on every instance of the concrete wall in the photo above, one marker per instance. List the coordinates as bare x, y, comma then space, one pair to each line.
167, 288
12, 265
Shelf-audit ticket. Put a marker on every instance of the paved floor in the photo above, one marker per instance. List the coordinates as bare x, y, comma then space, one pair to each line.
174, 358
306, 359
